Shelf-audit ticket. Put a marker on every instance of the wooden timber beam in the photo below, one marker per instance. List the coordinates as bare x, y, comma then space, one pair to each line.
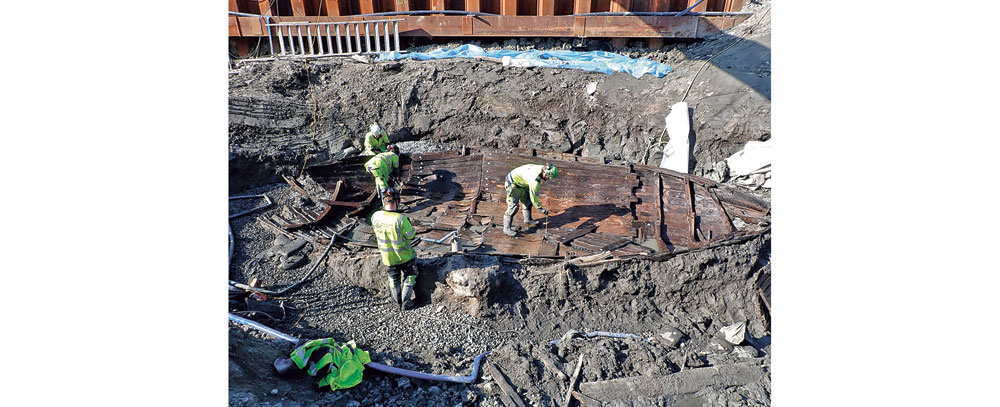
367, 6
298, 8
581, 6
621, 6
547, 7
733, 5
437, 5
508, 7
523, 26
659, 215
701, 7
402, 5
472, 5
332, 7
234, 5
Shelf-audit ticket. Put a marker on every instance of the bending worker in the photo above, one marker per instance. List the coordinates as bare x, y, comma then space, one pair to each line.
376, 140
382, 165
521, 183
394, 233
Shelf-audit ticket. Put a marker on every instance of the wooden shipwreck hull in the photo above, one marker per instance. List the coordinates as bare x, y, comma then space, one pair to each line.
597, 209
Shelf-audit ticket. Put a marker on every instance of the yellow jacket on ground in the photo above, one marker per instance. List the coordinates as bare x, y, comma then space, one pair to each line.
527, 176
393, 233
375, 142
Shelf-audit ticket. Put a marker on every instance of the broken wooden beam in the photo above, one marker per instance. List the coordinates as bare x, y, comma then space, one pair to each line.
572, 381
343, 203
580, 231
659, 215
513, 400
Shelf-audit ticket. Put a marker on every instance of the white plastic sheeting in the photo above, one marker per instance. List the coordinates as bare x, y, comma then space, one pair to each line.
676, 152
593, 61
751, 166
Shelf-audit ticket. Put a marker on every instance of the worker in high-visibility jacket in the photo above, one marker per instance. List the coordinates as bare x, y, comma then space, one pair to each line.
521, 186
382, 165
394, 233
376, 140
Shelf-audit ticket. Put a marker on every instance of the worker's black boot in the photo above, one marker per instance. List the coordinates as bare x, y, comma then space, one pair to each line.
394, 289
506, 226
406, 304
526, 214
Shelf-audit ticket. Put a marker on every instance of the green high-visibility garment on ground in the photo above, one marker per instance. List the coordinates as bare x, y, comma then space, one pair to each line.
345, 362
393, 233
526, 176
375, 143
380, 166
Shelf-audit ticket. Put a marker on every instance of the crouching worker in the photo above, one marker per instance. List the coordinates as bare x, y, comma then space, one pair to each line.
382, 165
522, 185
375, 140
394, 233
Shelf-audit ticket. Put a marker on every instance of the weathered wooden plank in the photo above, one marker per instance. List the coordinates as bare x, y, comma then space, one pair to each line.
504, 384
581, 6
332, 7
508, 7
298, 8
689, 199
437, 5
367, 6
642, 26
701, 7
234, 5
734, 5
472, 5
234, 27
546, 7
659, 215
620, 6
402, 5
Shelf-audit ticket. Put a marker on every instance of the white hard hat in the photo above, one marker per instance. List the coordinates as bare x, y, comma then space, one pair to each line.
375, 128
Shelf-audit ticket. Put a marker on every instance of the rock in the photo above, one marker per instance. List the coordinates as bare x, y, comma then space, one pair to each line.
353, 403
439, 308
748, 352
403, 383
591, 88
469, 397
293, 262
293, 246
434, 389
719, 345
672, 336
274, 391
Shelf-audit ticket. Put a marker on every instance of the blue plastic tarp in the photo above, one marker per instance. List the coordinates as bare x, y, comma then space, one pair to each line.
593, 61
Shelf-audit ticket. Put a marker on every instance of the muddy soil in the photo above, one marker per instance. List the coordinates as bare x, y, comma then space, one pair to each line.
284, 113
281, 111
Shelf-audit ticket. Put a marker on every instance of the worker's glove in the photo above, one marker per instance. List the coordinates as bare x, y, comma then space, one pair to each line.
544, 211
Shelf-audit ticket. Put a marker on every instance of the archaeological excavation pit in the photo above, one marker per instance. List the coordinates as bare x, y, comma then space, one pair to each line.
643, 286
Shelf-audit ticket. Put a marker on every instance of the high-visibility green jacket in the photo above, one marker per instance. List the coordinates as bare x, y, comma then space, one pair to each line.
346, 362
382, 164
393, 233
527, 176
375, 143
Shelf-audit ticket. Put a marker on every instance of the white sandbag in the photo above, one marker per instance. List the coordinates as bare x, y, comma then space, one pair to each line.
675, 153
754, 158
